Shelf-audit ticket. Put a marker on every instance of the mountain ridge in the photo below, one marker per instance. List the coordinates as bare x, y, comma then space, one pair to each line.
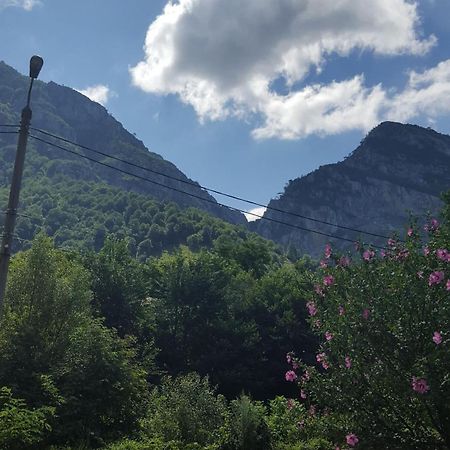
68, 113
396, 169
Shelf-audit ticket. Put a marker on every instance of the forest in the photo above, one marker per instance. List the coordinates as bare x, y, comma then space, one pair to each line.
222, 342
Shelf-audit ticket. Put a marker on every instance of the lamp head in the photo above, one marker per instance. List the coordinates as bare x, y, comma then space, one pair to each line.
36, 63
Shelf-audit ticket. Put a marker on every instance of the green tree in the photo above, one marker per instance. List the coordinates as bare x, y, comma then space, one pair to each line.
53, 353
198, 302
186, 410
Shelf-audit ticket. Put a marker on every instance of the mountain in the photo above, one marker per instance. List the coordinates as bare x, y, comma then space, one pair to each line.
65, 112
396, 170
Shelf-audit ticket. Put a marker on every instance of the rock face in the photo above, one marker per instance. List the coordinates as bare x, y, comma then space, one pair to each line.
397, 170
65, 112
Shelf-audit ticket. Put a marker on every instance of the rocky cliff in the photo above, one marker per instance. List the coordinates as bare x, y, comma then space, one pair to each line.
397, 170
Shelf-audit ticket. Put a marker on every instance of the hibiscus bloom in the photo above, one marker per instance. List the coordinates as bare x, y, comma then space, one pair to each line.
290, 375
352, 439
419, 385
435, 278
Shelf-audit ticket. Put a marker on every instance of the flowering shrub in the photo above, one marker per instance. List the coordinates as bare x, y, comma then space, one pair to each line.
384, 363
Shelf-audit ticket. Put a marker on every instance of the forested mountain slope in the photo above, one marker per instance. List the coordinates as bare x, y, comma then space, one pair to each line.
66, 112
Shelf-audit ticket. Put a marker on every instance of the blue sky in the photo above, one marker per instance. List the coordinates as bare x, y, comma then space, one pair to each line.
243, 96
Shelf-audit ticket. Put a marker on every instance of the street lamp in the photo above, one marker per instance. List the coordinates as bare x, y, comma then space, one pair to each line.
36, 63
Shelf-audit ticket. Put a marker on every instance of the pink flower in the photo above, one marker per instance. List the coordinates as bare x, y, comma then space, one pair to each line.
303, 394
383, 254
352, 439
341, 310
437, 337
328, 280
443, 254
306, 376
447, 286
410, 232
402, 254
366, 313
295, 365
391, 242
319, 291
426, 251
321, 358
420, 385
328, 251
344, 261
290, 375
328, 336
312, 309
289, 358
323, 264
290, 404
432, 226
348, 362
435, 278
368, 255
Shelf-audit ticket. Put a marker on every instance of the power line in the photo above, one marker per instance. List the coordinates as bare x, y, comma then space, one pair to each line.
22, 215
194, 195
9, 125
9, 132
215, 191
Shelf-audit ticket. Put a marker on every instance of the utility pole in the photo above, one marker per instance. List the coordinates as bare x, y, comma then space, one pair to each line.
36, 63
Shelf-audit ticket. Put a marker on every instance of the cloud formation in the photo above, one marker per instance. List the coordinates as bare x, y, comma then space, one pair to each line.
27, 5
98, 93
258, 211
222, 58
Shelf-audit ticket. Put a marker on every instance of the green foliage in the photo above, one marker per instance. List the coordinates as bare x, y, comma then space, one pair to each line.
284, 421
248, 428
20, 426
185, 410
197, 302
54, 354
385, 360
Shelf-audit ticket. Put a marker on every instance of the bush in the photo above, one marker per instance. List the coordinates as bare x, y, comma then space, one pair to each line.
185, 410
20, 426
384, 361
248, 429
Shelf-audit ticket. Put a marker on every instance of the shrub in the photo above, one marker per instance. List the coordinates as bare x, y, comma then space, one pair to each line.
384, 360
185, 410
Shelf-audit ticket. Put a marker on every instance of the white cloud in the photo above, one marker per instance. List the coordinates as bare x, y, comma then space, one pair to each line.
254, 214
222, 58
27, 5
98, 93
427, 93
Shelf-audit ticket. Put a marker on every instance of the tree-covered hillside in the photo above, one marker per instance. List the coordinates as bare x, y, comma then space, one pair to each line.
65, 112
80, 213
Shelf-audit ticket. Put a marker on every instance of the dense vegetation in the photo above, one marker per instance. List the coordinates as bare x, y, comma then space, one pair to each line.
187, 350
80, 214
138, 324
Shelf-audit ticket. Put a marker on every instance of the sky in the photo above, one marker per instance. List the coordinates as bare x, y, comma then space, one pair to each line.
243, 95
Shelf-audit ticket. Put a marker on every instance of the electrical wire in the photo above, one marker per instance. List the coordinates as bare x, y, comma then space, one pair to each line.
310, 230
22, 215
215, 191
